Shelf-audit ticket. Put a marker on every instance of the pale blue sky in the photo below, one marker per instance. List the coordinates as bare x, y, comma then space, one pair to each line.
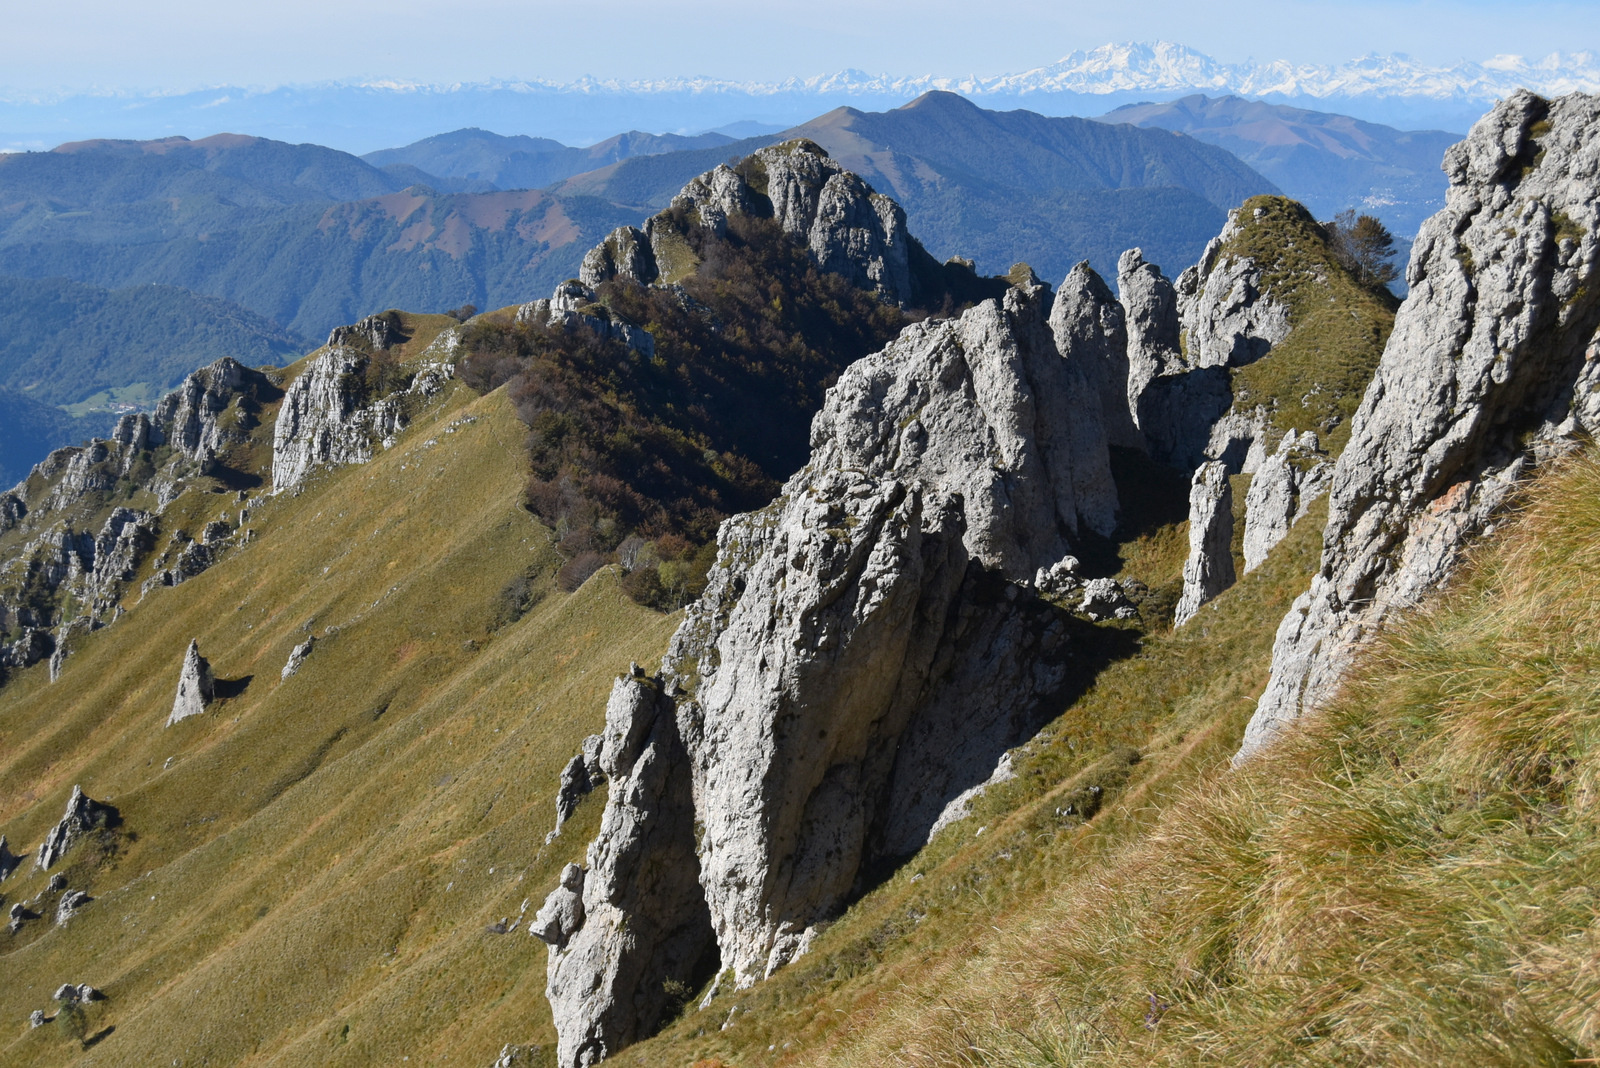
180, 44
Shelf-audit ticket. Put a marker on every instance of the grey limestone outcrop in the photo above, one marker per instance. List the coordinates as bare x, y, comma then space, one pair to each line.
1491, 367
625, 253
328, 418
196, 686
8, 859
83, 815
70, 904
1174, 403
867, 648
573, 306
375, 332
1209, 567
1285, 485
1091, 330
297, 658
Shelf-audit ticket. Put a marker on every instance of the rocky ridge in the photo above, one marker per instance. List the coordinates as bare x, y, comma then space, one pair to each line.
872, 643
90, 518
1492, 366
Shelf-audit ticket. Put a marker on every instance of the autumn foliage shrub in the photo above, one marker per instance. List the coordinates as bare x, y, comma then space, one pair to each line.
662, 448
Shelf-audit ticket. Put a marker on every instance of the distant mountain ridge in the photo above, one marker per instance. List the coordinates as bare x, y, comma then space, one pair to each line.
999, 186
1328, 162
368, 115
523, 162
306, 236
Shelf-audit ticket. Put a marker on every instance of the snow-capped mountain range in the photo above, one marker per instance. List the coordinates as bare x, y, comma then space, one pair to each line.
368, 114
1159, 67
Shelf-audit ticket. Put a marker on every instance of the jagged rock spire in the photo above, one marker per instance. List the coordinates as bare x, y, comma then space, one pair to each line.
196, 687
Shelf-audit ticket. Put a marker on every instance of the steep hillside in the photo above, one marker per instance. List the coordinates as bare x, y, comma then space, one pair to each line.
523, 162
999, 187
1082, 694
414, 731
1327, 162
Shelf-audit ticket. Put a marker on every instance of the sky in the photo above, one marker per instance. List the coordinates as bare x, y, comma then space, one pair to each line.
186, 44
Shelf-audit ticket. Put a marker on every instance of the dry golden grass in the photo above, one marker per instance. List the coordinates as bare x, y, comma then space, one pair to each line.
1408, 880
307, 872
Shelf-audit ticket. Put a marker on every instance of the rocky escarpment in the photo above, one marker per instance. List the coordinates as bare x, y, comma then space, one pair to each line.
349, 401
867, 649
74, 548
1492, 365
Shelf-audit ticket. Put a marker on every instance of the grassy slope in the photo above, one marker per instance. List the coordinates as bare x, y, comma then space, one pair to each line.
1409, 880
1315, 379
312, 864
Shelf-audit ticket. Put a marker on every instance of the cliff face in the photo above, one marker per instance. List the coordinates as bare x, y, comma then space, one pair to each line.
858, 661
1491, 367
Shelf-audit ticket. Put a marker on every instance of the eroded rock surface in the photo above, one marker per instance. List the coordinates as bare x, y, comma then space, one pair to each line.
83, 815
866, 649
330, 416
1492, 365
1209, 567
196, 686
1285, 485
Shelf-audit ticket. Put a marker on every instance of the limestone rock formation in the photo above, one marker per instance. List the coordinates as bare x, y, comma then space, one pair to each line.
196, 687
578, 779
83, 815
1227, 320
191, 415
1491, 366
1175, 404
863, 654
625, 253
297, 657
72, 902
573, 306
1090, 329
8, 859
328, 418
562, 912
1285, 485
640, 917
987, 407
1209, 568
375, 332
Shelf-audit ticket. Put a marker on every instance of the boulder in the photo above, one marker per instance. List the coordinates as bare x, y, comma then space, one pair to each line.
196, 687
1209, 568
1490, 368
297, 657
37, 1018
83, 815
71, 903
